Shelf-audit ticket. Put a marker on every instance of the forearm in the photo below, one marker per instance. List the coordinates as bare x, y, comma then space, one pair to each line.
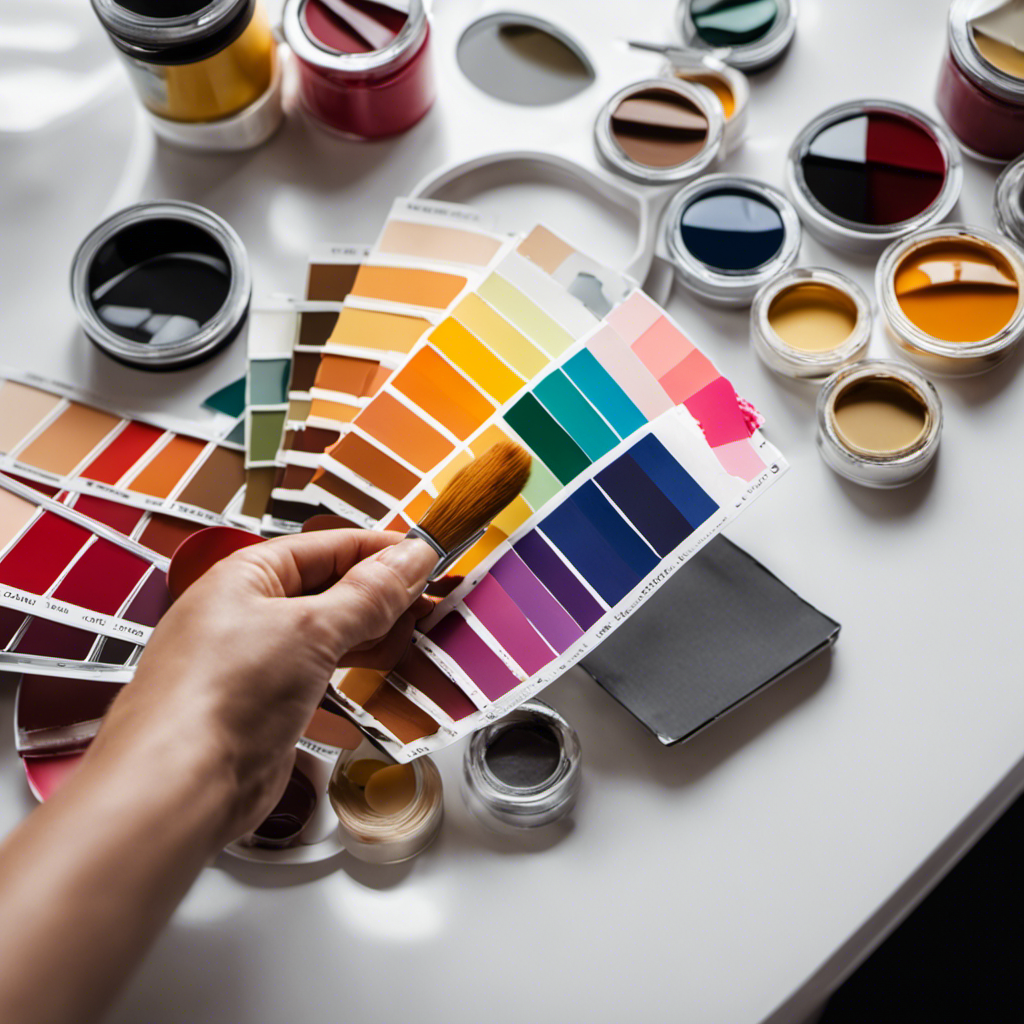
88, 880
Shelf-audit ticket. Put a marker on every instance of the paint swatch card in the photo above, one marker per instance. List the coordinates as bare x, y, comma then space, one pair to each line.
58, 565
56, 435
642, 452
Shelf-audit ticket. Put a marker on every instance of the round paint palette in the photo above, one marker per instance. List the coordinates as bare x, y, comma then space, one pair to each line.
727, 235
865, 173
748, 34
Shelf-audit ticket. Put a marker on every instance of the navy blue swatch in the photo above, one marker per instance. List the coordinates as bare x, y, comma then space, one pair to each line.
673, 481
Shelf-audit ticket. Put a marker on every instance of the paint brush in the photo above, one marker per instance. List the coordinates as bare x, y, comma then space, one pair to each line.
472, 498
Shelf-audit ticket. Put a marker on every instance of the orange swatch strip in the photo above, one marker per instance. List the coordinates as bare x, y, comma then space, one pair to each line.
413, 287
403, 432
170, 464
372, 464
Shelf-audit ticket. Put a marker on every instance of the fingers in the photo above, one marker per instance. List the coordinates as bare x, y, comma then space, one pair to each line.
375, 593
305, 562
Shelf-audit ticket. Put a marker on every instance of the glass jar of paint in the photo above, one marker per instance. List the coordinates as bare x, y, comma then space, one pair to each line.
879, 423
1009, 201
981, 82
387, 812
161, 285
952, 298
660, 131
524, 771
810, 322
730, 87
748, 34
864, 173
351, 85
727, 235
206, 71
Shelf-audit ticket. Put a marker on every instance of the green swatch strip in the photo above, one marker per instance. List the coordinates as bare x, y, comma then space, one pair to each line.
526, 315
542, 485
576, 415
265, 431
601, 388
268, 381
553, 446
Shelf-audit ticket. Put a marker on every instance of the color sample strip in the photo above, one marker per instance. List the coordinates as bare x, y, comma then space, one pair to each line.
102, 578
122, 453
558, 578
366, 328
619, 360
405, 433
268, 381
674, 482
608, 521
475, 360
536, 603
508, 625
399, 715
540, 328
576, 415
68, 439
500, 336
463, 645
598, 385
436, 242
419, 671
374, 466
22, 409
552, 445
42, 553
411, 286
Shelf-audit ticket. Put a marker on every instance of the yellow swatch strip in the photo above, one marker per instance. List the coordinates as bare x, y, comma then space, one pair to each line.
388, 332
475, 360
496, 332
526, 315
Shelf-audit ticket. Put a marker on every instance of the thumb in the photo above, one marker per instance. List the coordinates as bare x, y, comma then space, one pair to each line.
371, 597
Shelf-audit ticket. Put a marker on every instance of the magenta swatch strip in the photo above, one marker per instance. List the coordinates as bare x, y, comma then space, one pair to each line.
507, 624
456, 638
553, 622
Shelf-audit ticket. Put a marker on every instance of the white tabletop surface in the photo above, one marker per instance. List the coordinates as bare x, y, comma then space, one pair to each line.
727, 880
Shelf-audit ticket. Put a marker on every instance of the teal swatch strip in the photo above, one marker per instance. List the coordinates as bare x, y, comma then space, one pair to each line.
268, 381
600, 387
230, 400
551, 444
576, 415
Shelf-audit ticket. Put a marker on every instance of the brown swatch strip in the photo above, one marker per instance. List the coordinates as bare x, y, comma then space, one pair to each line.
372, 464
349, 494
330, 282
399, 715
71, 436
316, 327
218, 480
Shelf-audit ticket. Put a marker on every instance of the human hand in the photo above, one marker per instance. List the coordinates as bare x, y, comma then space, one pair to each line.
236, 668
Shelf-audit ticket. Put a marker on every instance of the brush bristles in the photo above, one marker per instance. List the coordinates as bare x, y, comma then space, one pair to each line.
476, 494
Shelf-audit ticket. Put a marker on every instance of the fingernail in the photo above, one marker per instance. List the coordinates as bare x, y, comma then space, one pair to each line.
413, 561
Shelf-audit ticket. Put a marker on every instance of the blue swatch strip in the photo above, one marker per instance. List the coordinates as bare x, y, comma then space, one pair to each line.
673, 481
575, 414
601, 388
629, 544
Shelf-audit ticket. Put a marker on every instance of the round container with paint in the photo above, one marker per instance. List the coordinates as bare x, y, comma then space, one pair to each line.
952, 298
364, 67
522, 59
864, 173
810, 322
660, 131
981, 82
727, 235
749, 34
879, 423
1009, 201
729, 85
161, 285
523, 772
387, 812
207, 71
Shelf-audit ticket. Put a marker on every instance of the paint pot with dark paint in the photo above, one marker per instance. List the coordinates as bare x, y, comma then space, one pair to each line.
660, 131
863, 174
289, 817
523, 772
748, 34
727, 235
523, 60
161, 285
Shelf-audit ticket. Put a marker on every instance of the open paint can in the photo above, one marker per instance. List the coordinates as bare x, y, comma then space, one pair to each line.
953, 298
864, 173
748, 34
1009, 202
364, 68
206, 71
727, 235
161, 285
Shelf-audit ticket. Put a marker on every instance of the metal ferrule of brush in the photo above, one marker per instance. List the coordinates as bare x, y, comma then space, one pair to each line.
447, 558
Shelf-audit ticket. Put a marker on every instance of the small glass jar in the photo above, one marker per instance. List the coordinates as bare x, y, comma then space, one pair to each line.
833, 174
193, 285
387, 812
892, 438
1009, 201
665, 161
362, 95
798, 319
748, 49
981, 103
206, 71
524, 771
748, 232
729, 85
947, 356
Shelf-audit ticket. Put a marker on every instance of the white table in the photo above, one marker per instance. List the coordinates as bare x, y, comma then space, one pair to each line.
735, 879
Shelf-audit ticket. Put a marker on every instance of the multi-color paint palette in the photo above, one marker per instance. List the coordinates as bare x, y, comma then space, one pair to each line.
57, 436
